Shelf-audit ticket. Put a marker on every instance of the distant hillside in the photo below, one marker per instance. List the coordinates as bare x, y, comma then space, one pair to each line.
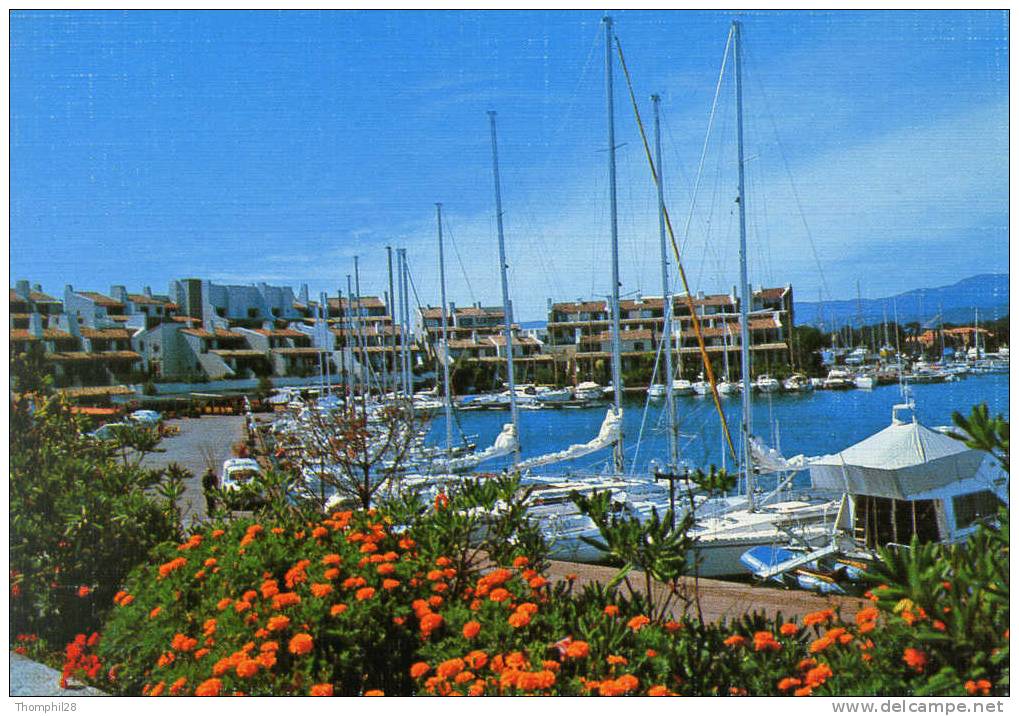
987, 292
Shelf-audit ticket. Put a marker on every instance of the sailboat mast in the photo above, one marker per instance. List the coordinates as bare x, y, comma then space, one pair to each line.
666, 297
617, 369
744, 303
447, 404
405, 292
391, 300
507, 309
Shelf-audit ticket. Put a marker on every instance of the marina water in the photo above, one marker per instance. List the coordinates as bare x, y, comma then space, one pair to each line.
813, 423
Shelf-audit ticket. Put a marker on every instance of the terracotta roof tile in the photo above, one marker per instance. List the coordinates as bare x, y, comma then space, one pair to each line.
100, 299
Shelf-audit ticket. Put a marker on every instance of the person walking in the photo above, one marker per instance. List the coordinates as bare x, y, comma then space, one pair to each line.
209, 486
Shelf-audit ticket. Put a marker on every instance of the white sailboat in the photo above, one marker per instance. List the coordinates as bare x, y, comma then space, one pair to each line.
782, 516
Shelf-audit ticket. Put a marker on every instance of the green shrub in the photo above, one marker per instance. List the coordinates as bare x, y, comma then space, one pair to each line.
80, 521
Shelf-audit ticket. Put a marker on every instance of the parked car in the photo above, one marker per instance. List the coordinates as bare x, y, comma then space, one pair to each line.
108, 431
146, 417
238, 471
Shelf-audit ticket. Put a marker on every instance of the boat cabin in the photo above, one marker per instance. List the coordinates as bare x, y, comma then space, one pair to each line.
908, 480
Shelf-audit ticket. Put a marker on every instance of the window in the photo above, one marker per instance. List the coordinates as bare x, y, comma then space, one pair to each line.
970, 508
252, 313
221, 312
638, 346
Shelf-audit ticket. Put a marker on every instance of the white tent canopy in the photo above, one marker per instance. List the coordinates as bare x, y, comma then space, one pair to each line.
900, 462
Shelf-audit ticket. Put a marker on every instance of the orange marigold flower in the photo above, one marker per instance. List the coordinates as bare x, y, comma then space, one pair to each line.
364, 593
171, 566
419, 669
353, 582
374, 692
216, 534
627, 682
577, 649
616, 660
435, 601
818, 675
270, 588
737, 691
788, 629
321, 690
320, 590
518, 620
430, 622
319, 532
118, 596
385, 569
200, 653
337, 609
538, 582
672, 626
820, 617
331, 573
981, 687
521, 561
126, 601
821, 644
659, 690
301, 644
247, 668
369, 547
286, 599
790, 682
471, 629
241, 606
611, 611
735, 640
806, 664
155, 612
500, 595
332, 559
765, 641
450, 668
224, 603
84, 591
390, 584
277, 623
638, 622
914, 658
804, 691
209, 687
181, 642
866, 615
476, 659
157, 689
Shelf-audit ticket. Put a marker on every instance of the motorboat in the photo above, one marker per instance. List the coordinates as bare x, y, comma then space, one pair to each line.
656, 391
588, 391
797, 383
682, 387
867, 381
766, 384
838, 380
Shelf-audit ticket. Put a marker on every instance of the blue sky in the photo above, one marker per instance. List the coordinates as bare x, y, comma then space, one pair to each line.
147, 146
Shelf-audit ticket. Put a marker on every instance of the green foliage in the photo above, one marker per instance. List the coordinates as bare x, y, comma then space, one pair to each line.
982, 432
81, 519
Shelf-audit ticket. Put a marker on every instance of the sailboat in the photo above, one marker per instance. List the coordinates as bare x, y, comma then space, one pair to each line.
784, 515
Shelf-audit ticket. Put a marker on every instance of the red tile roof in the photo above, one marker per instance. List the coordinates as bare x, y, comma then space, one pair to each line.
103, 333
49, 334
100, 299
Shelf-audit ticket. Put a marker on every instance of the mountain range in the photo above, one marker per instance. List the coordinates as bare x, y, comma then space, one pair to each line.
957, 303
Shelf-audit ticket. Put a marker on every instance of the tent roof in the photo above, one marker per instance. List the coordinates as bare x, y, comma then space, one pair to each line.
898, 446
